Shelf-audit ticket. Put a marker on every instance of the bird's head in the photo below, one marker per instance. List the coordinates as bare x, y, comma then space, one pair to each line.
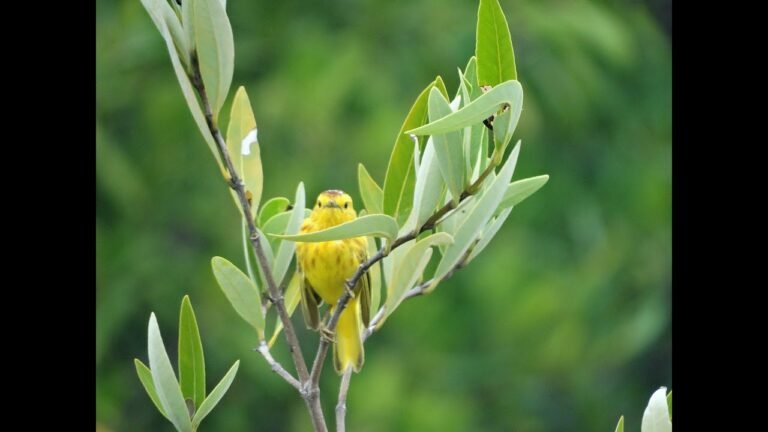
333, 207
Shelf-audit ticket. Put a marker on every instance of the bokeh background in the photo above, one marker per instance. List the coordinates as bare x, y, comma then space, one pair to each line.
563, 324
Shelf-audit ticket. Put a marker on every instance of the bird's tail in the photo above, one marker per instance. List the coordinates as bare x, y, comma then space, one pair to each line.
348, 349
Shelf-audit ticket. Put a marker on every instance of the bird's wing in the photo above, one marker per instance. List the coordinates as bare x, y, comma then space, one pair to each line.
363, 289
309, 301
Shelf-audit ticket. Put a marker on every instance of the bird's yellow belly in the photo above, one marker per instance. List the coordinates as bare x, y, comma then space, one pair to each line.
327, 265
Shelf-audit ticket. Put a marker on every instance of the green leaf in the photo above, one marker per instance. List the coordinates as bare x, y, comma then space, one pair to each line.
478, 217
145, 376
400, 177
375, 274
241, 293
510, 93
669, 404
473, 135
244, 146
493, 48
191, 359
370, 192
379, 225
272, 207
292, 297
277, 224
521, 189
409, 269
191, 99
448, 147
165, 18
216, 394
489, 232
215, 50
429, 187
286, 249
656, 415
620, 426
167, 388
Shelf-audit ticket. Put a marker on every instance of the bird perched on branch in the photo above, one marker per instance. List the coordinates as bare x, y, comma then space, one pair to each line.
324, 268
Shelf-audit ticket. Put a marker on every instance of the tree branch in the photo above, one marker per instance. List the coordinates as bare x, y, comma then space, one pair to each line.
277, 367
311, 398
341, 406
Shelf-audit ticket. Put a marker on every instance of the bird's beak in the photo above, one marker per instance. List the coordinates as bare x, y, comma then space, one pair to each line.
332, 204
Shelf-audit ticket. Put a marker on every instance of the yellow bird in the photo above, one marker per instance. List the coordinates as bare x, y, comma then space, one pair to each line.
323, 270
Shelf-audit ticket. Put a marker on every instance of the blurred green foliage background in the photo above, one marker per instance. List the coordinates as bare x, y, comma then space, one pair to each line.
562, 324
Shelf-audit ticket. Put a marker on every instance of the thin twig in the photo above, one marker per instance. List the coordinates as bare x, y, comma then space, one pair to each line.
277, 367
311, 398
341, 406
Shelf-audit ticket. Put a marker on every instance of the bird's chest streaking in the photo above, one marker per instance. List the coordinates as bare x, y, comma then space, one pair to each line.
327, 265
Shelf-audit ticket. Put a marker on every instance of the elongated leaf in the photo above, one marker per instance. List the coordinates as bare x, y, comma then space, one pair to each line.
216, 394
166, 385
145, 376
191, 358
489, 232
292, 297
277, 224
375, 274
379, 225
189, 96
165, 18
472, 134
519, 190
409, 269
509, 92
215, 50
415, 276
188, 22
493, 48
669, 404
272, 207
468, 231
656, 415
429, 187
448, 147
370, 191
244, 146
620, 426
400, 177
286, 249
240, 291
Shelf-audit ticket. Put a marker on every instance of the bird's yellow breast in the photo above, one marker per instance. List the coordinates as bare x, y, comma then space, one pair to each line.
327, 265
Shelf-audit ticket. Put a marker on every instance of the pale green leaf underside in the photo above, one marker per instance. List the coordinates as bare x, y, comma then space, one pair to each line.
448, 147
521, 189
189, 96
286, 249
145, 376
215, 50
620, 426
166, 385
216, 394
408, 269
378, 225
656, 414
481, 213
240, 291
509, 92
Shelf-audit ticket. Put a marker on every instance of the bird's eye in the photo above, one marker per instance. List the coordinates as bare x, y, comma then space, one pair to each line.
319, 204
346, 204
